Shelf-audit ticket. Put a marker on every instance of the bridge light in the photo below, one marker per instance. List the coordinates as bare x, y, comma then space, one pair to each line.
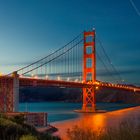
58, 78
21, 75
97, 83
1, 74
46, 77
68, 79
36, 77
134, 90
96, 87
83, 81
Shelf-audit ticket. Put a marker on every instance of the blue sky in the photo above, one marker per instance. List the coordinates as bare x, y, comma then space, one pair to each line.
31, 29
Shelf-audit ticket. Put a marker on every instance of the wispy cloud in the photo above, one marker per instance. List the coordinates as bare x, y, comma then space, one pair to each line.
15, 63
135, 8
100, 72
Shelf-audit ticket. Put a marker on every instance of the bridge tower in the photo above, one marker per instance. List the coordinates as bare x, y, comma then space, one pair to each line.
89, 71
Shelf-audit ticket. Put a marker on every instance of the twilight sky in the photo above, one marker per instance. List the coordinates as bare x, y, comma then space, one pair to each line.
31, 29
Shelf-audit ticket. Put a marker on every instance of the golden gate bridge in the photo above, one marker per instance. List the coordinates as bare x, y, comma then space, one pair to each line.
73, 65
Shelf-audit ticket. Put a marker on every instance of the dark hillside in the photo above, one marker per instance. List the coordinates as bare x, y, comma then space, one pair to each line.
75, 95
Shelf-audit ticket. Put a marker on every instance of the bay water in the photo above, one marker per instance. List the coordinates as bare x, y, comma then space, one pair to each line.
60, 111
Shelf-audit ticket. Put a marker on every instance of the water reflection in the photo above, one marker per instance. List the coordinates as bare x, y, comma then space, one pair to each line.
93, 121
98, 122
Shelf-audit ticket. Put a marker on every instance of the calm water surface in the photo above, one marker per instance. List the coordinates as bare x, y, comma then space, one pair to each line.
59, 111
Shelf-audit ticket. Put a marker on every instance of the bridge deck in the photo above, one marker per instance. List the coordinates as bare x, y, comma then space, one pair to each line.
26, 82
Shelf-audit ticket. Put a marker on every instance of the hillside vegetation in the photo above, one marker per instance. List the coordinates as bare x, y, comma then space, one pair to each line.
15, 129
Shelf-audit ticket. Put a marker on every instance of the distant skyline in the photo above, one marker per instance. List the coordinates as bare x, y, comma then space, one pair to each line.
31, 29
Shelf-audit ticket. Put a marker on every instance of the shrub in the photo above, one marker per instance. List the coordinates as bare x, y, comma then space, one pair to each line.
125, 131
28, 137
16, 129
19, 119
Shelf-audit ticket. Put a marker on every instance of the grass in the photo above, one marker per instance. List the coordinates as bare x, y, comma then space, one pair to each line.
28, 137
126, 131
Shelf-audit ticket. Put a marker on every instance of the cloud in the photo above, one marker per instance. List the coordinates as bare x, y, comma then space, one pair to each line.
135, 8
100, 72
15, 63
120, 72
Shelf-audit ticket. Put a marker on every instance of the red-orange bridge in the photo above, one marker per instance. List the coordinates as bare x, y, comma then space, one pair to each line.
72, 67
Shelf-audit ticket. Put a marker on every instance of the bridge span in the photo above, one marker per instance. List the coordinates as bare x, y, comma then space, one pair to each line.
73, 61
10, 88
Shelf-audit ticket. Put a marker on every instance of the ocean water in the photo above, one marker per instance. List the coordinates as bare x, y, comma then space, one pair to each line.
59, 111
